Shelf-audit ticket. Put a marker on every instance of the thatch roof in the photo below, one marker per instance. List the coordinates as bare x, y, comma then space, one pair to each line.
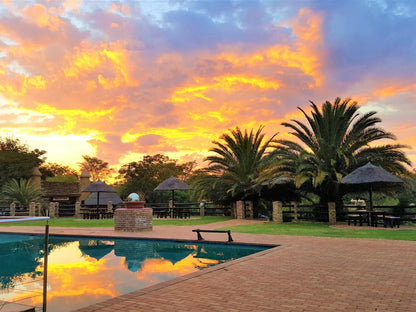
99, 186
172, 184
370, 174
104, 199
60, 188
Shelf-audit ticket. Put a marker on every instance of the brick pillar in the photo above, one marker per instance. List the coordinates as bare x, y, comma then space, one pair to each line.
278, 212
133, 220
77, 210
12, 209
295, 212
32, 209
248, 209
240, 209
332, 213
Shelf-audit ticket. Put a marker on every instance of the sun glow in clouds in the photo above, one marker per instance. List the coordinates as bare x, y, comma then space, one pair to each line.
101, 78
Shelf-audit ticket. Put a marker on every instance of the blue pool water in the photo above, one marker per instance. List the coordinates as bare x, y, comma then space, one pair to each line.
83, 271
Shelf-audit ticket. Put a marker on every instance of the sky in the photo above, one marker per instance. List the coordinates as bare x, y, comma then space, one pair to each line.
122, 79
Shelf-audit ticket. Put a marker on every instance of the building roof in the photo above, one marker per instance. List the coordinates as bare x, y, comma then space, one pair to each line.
60, 188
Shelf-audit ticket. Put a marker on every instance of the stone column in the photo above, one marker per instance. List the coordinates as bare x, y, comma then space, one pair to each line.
32, 209
332, 213
38, 209
295, 212
110, 206
84, 181
52, 212
12, 209
202, 208
278, 212
77, 210
248, 209
240, 209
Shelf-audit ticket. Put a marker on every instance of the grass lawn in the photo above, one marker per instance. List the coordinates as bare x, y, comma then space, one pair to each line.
299, 229
72, 222
324, 231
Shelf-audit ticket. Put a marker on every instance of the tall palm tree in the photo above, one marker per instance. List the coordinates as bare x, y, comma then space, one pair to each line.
336, 140
239, 158
22, 191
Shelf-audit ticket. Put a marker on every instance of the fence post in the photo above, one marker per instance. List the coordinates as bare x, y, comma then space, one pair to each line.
32, 209
12, 209
77, 210
278, 211
295, 212
240, 209
332, 213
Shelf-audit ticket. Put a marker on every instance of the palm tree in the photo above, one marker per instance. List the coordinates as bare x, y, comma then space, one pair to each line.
22, 191
336, 140
239, 158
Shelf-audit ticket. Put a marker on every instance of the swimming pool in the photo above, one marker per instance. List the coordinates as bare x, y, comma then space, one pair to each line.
83, 270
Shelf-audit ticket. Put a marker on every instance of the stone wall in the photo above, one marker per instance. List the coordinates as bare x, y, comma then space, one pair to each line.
133, 220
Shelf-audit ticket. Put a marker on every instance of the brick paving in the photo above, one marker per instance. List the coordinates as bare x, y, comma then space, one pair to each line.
302, 274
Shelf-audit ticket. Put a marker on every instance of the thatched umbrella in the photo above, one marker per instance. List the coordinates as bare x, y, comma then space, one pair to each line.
99, 187
172, 184
370, 175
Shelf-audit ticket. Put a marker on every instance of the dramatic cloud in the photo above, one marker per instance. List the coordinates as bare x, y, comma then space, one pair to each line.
120, 80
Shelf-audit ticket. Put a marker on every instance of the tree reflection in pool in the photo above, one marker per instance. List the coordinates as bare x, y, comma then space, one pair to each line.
83, 271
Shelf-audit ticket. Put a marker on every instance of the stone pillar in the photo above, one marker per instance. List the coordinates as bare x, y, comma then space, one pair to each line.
240, 209
32, 209
38, 209
110, 206
77, 210
12, 209
53, 210
84, 181
332, 213
295, 212
202, 208
35, 177
248, 211
278, 212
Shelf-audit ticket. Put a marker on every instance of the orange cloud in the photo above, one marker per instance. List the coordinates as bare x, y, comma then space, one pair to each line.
40, 15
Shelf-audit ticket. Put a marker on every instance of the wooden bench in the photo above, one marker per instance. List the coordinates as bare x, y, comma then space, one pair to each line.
198, 231
392, 221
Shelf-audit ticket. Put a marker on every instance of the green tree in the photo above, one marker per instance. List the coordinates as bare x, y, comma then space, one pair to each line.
22, 192
58, 173
17, 160
238, 159
98, 169
143, 176
336, 140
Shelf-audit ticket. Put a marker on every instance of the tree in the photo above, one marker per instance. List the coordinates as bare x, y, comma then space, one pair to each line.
22, 192
143, 176
56, 172
97, 168
238, 160
17, 160
336, 140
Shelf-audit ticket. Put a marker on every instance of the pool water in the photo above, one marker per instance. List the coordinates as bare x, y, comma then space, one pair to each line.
83, 271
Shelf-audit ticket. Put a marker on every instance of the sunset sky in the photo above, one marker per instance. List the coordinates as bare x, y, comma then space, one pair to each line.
123, 79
